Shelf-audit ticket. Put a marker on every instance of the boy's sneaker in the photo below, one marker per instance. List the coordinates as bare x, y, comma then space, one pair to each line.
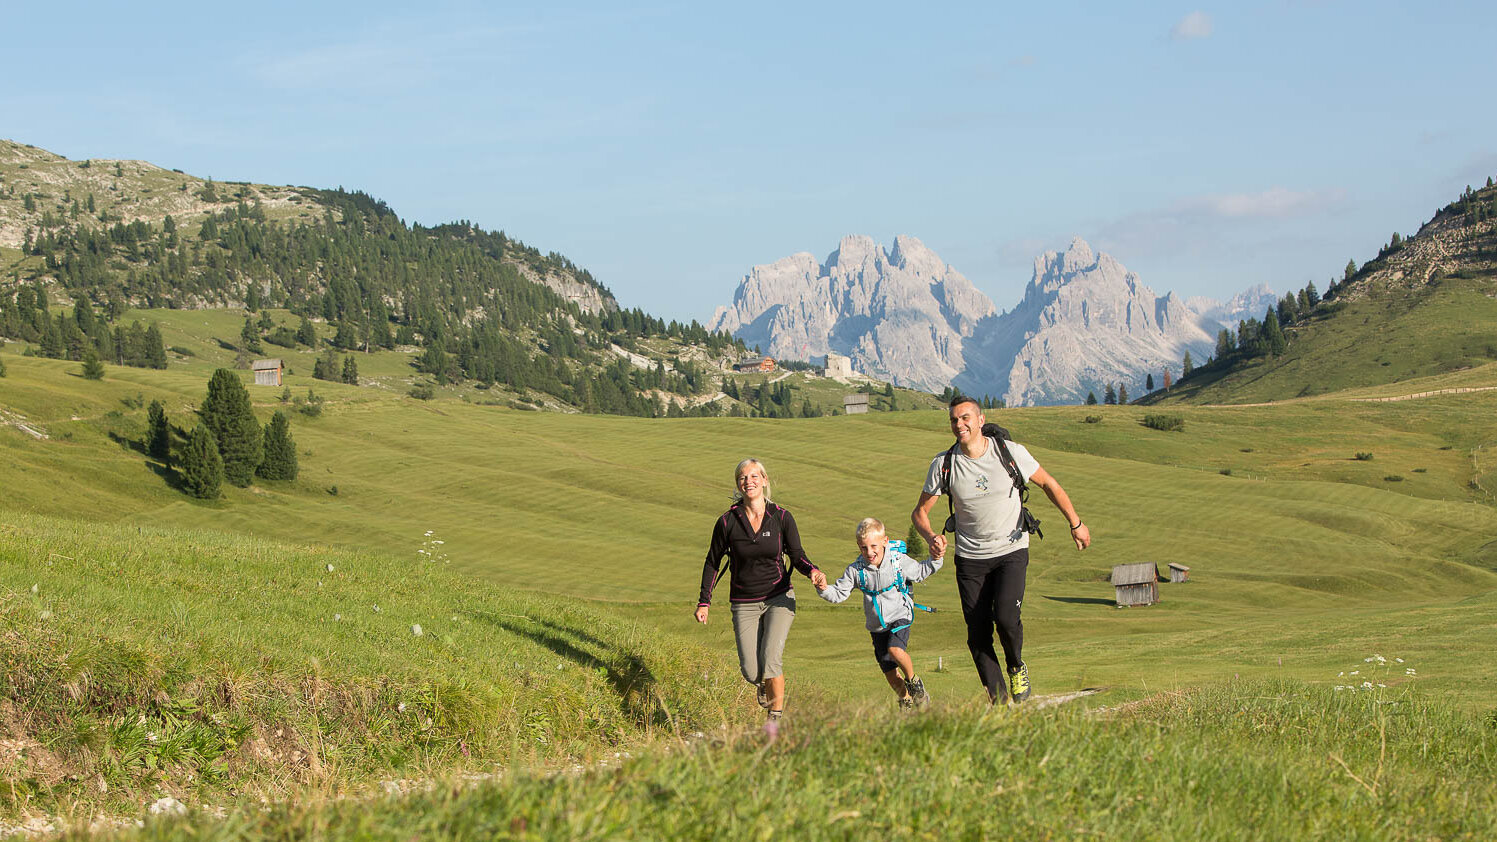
917, 692
907, 703
1018, 683
762, 692
774, 716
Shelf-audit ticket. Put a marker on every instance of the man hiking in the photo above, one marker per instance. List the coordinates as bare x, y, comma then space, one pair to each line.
984, 477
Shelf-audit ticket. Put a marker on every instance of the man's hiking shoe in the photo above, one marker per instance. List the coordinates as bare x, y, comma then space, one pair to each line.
907, 703
774, 716
762, 692
917, 692
1018, 683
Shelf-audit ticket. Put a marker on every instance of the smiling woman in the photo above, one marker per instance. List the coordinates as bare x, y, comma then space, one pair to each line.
755, 533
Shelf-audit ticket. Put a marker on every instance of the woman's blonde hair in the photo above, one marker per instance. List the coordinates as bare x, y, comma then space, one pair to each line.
738, 472
869, 526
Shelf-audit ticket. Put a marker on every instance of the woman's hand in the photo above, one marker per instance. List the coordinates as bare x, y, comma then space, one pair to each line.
818, 579
702, 614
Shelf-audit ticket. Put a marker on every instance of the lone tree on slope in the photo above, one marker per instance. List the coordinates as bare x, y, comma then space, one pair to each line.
201, 470
228, 414
158, 433
280, 450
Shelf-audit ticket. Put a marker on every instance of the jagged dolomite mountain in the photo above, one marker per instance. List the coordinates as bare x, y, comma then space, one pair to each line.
906, 316
902, 315
1085, 321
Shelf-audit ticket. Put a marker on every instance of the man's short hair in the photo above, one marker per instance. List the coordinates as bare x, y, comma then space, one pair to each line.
961, 399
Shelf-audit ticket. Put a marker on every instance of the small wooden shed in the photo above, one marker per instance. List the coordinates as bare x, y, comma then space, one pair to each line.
1136, 584
1179, 572
856, 404
267, 372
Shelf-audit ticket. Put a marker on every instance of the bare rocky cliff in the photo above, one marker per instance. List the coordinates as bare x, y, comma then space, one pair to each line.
902, 315
906, 316
1085, 321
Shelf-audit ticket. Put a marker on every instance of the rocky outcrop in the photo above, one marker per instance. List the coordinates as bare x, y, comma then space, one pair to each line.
902, 315
906, 316
1085, 321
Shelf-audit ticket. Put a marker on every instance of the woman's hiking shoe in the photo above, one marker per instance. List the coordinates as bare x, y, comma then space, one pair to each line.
774, 716
762, 692
907, 703
1018, 683
917, 692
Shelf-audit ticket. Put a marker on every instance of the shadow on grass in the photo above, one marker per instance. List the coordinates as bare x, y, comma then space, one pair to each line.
1082, 600
631, 679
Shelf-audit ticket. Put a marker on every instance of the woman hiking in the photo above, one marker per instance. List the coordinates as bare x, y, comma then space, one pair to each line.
754, 533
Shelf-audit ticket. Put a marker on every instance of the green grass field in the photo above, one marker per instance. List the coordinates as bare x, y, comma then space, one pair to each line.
1384, 339
1305, 561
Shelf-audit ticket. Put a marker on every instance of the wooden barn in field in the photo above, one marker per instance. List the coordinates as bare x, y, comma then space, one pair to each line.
1179, 572
1136, 584
855, 404
267, 372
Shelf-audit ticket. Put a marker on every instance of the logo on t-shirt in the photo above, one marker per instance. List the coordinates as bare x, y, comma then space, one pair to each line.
982, 482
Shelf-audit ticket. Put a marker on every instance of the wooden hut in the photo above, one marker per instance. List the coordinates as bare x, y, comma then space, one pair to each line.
855, 404
1179, 572
267, 372
1136, 584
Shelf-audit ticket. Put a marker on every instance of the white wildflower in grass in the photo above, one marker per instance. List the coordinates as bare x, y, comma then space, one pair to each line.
428, 533
376, 609
400, 708
151, 736
1356, 672
36, 589
45, 614
337, 618
1409, 671
1400, 660
416, 629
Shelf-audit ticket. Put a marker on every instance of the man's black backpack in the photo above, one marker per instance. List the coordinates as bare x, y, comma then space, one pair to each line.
1027, 521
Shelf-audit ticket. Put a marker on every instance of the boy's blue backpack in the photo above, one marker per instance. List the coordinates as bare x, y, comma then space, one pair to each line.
900, 584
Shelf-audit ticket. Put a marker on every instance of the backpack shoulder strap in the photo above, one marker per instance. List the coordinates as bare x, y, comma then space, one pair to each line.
1012, 467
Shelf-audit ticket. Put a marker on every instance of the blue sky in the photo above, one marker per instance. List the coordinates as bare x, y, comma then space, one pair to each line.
669, 147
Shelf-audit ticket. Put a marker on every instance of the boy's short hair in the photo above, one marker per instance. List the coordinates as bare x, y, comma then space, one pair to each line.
869, 525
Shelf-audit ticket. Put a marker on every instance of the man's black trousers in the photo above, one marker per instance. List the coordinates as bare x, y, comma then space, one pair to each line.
992, 592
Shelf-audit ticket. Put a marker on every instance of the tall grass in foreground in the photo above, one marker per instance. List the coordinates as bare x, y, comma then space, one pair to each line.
141, 662
1236, 761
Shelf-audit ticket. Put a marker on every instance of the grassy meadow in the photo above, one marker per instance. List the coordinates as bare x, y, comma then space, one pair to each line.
589, 531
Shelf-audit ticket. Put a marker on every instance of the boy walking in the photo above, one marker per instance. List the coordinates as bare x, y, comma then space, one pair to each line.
884, 576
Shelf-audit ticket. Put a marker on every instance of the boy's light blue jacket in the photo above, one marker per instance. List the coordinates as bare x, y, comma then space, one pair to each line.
896, 607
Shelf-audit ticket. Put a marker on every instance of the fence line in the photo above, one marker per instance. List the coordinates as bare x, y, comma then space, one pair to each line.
1460, 391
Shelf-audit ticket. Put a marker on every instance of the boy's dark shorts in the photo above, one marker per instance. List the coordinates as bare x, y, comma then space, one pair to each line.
883, 640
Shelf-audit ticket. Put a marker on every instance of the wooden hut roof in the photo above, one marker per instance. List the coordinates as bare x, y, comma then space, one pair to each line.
1175, 565
265, 365
1135, 574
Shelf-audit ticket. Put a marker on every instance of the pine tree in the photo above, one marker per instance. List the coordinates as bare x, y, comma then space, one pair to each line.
1273, 336
306, 334
227, 412
914, 545
1351, 269
201, 470
1110, 395
158, 433
1122, 394
280, 450
155, 348
1149, 383
92, 368
249, 337
1091, 398
350, 371
2, 367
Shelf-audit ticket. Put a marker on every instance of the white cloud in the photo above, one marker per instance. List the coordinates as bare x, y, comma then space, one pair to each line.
1193, 25
1273, 203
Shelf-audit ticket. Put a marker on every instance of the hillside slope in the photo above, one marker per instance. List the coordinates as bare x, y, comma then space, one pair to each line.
1425, 305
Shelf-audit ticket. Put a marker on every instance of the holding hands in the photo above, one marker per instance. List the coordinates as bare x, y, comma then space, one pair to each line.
818, 579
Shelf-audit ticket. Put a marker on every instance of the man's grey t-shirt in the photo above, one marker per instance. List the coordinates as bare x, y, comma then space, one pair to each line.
986, 502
